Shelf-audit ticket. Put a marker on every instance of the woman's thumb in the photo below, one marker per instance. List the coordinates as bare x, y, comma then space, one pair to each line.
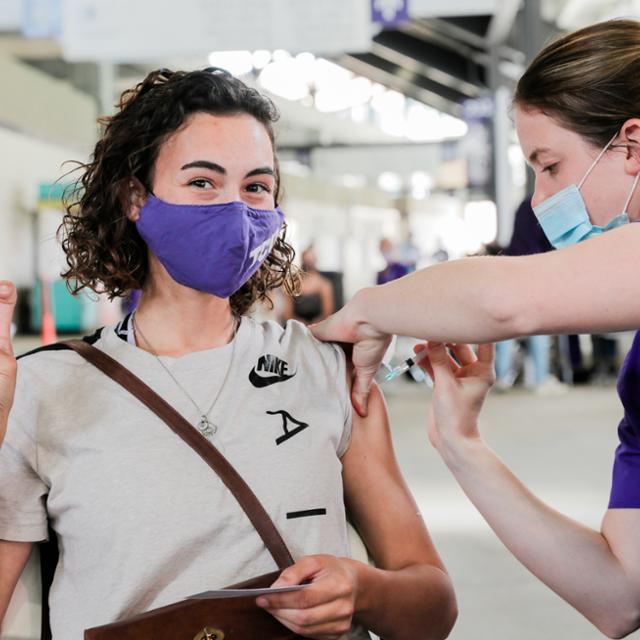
360, 390
325, 330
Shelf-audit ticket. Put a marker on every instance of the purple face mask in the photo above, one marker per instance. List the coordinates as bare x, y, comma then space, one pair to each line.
210, 247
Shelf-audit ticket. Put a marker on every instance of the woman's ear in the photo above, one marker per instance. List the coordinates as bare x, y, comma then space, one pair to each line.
630, 136
136, 198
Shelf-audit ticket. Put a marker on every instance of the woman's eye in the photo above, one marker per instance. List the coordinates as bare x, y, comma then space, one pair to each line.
201, 183
552, 169
257, 187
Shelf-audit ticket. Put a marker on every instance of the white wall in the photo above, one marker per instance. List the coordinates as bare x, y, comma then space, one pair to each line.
440, 218
34, 102
25, 162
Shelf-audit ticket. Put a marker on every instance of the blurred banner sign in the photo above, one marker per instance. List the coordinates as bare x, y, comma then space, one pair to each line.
140, 30
390, 12
148, 30
452, 8
268, 20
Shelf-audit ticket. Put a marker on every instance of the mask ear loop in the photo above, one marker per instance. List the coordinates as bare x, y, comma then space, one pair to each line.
633, 188
595, 162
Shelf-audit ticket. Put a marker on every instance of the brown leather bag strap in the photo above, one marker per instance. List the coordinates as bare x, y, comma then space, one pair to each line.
229, 476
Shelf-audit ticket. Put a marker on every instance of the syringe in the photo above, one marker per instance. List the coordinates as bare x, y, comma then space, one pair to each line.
405, 366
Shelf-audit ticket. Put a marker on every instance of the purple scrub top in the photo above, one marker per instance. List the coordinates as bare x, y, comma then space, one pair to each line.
625, 488
393, 271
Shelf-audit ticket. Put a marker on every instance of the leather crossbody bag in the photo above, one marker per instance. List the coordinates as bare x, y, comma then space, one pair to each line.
228, 619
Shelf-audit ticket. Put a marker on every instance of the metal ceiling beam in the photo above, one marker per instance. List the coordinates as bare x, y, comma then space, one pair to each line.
405, 81
426, 30
431, 61
502, 21
469, 43
453, 28
531, 31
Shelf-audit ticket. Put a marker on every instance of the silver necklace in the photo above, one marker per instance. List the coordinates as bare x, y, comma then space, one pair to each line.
206, 426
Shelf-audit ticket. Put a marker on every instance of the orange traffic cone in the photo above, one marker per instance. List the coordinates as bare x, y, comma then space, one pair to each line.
48, 333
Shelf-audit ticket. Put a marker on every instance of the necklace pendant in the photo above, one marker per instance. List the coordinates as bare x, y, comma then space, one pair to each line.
206, 427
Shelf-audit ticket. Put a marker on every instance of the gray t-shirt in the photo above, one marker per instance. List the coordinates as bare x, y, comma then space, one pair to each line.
141, 520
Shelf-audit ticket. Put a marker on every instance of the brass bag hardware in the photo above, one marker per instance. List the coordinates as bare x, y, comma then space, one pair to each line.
210, 634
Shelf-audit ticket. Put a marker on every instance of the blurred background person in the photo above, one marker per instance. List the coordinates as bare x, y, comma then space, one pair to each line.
527, 238
440, 254
409, 253
394, 269
316, 299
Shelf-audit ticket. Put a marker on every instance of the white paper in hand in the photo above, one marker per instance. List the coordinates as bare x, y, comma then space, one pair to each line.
219, 594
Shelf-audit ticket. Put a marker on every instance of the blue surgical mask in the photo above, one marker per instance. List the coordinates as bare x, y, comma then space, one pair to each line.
564, 217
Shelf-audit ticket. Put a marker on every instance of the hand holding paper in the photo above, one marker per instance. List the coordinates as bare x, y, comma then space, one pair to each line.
326, 607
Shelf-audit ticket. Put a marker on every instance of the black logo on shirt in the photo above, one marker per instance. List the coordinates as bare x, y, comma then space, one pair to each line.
288, 419
306, 513
274, 368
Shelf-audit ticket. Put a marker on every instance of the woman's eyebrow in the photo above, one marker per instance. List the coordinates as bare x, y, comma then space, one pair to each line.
261, 171
204, 164
213, 166
534, 156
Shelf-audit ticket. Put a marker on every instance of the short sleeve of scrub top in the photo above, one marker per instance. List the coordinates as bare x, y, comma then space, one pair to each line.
625, 488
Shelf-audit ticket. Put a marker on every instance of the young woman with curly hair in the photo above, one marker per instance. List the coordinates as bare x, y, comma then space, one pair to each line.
180, 199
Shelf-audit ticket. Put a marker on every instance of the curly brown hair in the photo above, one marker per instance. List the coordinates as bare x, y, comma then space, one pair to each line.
104, 251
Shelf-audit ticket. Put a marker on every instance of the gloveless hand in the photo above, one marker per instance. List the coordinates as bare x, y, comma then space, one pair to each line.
8, 365
459, 390
325, 608
369, 347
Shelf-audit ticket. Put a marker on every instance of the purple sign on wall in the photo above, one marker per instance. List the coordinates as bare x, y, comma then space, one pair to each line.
389, 12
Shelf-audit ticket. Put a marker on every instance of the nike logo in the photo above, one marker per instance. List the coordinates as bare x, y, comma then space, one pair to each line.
274, 367
258, 381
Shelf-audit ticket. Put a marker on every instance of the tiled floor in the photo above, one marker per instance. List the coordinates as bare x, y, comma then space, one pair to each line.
562, 447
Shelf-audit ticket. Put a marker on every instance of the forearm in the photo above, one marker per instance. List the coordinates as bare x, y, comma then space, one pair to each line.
587, 288
13, 558
461, 301
416, 603
573, 560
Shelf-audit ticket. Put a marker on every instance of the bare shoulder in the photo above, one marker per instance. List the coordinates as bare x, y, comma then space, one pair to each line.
370, 435
372, 477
